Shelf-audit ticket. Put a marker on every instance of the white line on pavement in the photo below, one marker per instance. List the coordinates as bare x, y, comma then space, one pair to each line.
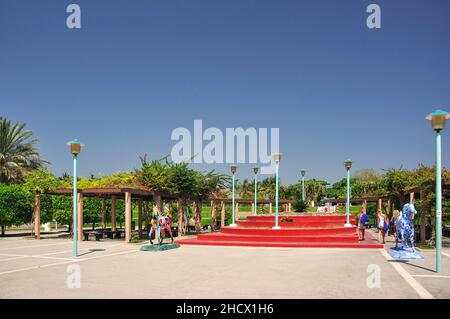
12, 258
432, 276
33, 246
445, 254
421, 291
66, 262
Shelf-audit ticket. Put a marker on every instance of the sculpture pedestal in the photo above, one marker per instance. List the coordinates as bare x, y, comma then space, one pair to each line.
157, 247
405, 253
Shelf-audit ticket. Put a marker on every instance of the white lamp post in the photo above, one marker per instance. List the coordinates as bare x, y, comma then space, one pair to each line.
276, 158
348, 165
233, 169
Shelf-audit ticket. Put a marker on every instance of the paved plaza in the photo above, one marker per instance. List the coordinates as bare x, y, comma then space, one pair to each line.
113, 269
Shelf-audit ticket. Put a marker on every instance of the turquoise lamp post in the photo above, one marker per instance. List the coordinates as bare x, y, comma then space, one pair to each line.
303, 172
277, 158
438, 119
75, 148
348, 164
255, 170
233, 169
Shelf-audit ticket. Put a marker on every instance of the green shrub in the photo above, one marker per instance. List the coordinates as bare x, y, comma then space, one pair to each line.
300, 206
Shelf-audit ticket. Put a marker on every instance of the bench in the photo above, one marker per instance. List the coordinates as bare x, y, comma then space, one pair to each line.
98, 235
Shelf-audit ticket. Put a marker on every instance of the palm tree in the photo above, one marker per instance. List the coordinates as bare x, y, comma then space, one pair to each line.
18, 153
245, 189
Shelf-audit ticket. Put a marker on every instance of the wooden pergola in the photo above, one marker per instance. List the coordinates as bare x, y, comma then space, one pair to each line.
414, 192
127, 193
142, 195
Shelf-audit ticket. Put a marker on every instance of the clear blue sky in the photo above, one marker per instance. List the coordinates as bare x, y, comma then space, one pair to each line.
138, 69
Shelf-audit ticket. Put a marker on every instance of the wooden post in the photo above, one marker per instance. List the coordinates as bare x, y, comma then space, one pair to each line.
127, 217
222, 214
159, 203
365, 203
180, 216
270, 208
169, 207
37, 216
253, 207
213, 215
389, 207
236, 215
380, 204
80, 216
113, 213
103, 213
423, 218
140, 217
198, 215
290, 207
411, 197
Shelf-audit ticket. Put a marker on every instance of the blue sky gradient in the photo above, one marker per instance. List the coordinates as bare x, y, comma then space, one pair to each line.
138, 69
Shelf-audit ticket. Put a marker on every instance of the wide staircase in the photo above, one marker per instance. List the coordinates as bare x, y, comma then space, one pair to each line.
326, 231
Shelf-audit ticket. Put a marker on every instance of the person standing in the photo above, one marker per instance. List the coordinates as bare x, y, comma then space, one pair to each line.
393, 222
383, 226
362, 220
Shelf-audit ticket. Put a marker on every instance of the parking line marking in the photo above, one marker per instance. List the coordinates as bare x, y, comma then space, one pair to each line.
421, 291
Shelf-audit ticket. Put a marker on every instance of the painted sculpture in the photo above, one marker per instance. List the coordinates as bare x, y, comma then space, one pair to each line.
404, 226
159, 224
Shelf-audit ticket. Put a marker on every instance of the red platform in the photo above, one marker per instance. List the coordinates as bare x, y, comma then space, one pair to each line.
325, 231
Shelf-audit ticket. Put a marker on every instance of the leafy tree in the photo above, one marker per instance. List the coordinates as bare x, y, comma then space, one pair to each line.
16, 206
18, 153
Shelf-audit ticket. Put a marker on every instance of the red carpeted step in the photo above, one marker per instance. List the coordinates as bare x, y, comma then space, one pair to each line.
288, 231
277, 238
300, 218
195, 241
302, 224
303, 231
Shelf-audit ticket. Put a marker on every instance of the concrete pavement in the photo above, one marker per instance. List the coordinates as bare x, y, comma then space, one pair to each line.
113, 269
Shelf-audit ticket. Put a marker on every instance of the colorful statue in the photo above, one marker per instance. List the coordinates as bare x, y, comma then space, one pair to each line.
159, 224
404, 226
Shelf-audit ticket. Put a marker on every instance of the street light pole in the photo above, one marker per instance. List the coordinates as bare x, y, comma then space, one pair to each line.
255, 170
233, 171
438, 119
277, 158
303, 172
438, 202
75, 207
348, 165
75, 148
